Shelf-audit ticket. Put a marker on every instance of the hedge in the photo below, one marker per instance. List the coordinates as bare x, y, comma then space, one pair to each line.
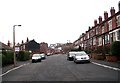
23, 56
115, 48
7, 57
0, 59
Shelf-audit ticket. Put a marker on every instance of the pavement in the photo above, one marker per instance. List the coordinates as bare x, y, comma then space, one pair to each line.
18, 63
104, 62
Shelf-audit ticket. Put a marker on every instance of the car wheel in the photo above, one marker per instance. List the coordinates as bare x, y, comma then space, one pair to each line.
33, 61
39, 60
75, 61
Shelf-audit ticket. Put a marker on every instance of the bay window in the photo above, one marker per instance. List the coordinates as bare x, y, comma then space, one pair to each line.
118, 20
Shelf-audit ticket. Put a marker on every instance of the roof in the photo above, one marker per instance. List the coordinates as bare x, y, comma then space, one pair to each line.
5, 47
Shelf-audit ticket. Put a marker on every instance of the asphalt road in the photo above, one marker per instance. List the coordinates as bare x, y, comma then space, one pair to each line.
57, 68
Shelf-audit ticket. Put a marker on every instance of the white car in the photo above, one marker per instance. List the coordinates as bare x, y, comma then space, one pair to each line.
81, 57
36, 58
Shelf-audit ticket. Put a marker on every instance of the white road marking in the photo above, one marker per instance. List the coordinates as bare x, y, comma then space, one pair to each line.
117, 69
13, 69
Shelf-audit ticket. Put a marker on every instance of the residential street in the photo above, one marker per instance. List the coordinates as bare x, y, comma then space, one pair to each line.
57, 68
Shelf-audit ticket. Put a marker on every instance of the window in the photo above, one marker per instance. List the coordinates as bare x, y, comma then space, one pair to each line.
114, 36
118, 35
106, 38
23, 47
85, 44
99, 41
96, 30
102, 29
84, 37
118, 20
81, 40
93, 32
111, 37
110, 25
88, 35
94, 41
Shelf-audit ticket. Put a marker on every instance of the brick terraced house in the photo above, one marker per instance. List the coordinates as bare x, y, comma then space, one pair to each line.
103, 33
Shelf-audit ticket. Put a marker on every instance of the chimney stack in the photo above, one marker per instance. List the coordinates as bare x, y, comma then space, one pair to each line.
105, 15
112, 11
100, 19
95, 22
8, 43
22, 42
89, 28
119, 6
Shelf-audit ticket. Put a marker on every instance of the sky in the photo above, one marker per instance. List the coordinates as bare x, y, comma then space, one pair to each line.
50, 21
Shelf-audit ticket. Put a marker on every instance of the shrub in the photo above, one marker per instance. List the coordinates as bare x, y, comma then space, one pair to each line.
107, 50
98, 50
0, 59
23, 55
115, 48
88, 51
7, 57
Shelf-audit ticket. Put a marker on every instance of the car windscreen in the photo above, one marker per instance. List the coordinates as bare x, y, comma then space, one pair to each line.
36, 55
81, 54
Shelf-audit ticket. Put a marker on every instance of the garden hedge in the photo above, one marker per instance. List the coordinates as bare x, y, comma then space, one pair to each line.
23, 56
115, 48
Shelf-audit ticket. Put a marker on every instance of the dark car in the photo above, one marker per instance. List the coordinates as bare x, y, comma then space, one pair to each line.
70, 56
43, 56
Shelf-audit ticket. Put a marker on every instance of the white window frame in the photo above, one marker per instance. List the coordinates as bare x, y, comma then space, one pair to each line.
94, 41
97, 30
88, 35
118, 20
91, 41
118, 35
106, 38
100, 41
93, 32
103, 29
114, 36
110, 25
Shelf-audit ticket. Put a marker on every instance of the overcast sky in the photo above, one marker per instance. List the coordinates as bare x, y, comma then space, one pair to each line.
50, 21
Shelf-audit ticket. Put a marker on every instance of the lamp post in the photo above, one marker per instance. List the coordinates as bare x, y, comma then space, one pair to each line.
14, 43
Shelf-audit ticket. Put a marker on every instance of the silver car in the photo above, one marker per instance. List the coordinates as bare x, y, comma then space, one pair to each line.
81, 57
36, 58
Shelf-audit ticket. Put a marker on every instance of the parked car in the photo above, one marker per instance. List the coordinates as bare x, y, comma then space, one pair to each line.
36, 58
81, 57
70, 55
43, 56
48, 54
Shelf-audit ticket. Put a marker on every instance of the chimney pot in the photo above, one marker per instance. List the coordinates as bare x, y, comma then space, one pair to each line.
89, 28
22, 42
112, 11
8, 43
95, 22
100, 19
105, 15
